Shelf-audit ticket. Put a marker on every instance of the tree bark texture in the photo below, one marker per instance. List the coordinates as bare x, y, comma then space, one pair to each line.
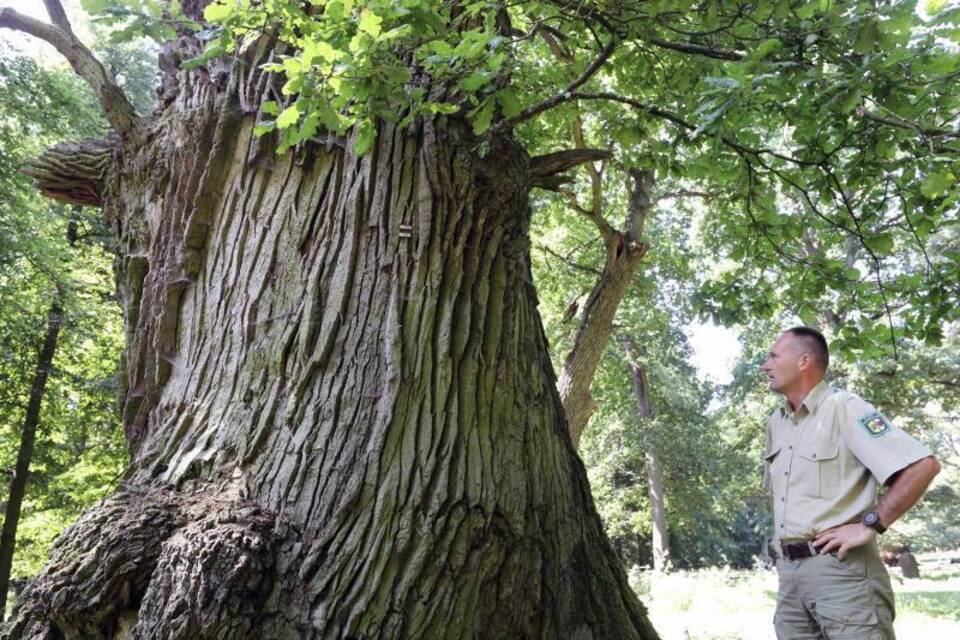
341, 414
656, 490
28, 433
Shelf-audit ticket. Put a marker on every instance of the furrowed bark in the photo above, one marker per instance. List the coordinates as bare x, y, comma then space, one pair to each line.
73, 172
624, 252
337, 397
28, 432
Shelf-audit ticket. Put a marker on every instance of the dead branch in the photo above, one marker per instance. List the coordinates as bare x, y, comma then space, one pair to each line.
544, 169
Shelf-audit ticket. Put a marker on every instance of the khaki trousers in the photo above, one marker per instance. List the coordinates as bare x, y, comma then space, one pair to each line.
822, 598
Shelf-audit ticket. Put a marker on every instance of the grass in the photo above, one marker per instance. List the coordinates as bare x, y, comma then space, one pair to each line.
727, 604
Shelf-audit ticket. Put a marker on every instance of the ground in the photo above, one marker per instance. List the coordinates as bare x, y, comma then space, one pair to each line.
729, 604
726, 604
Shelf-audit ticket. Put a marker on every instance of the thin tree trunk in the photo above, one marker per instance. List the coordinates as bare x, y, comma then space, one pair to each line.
660, 541
341, 412
28, 432
624, 252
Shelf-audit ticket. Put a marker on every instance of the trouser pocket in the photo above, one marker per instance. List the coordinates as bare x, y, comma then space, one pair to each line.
850, 622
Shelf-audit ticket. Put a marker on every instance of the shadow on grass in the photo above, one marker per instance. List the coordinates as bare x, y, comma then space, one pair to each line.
938, 604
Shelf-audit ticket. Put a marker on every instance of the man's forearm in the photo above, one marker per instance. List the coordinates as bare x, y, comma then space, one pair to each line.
906, 489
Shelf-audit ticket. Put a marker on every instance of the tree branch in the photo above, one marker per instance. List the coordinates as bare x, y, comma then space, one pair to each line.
689, 126
686, 193
73, 172
608, 233
570, 263
596, 179
562, 97
688, 47
640, 203
544, 169
57, 15
116, 107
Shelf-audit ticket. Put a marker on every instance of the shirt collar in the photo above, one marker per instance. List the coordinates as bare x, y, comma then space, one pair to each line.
813, 400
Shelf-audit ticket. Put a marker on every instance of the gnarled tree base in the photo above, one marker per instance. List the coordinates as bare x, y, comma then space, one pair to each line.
161, 564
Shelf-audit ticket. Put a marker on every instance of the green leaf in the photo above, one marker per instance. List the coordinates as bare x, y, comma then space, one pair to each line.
218, 11
370, 23
482, 116
474, 81
95, 6
867, 37
852, 274
882, 243
806, 11
808, 314
766, 48
398, 32
264, 127
330, 118
509, 104
441, 48
271, 107
308, 128
937, 184
366, 134
289, 116
440, 107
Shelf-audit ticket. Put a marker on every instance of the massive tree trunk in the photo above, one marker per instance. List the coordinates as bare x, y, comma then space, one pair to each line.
28, 433
342, 418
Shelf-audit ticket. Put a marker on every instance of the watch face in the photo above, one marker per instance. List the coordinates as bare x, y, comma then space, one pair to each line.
870, 519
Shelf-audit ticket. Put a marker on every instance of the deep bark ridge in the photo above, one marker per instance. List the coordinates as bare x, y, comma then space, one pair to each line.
342, 417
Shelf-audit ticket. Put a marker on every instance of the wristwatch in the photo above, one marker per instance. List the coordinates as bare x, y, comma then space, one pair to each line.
872, 519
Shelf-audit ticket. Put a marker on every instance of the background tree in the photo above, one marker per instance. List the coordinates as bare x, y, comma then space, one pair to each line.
47, 247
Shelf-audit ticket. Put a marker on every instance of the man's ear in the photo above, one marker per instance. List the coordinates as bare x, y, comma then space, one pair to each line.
804, 362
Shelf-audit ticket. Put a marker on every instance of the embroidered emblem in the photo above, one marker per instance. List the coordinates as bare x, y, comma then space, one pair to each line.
875, 423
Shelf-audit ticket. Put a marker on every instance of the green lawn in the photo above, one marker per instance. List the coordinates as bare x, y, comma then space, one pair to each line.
725, 604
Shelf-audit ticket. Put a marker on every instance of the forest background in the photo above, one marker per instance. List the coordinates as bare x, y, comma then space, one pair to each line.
700, 441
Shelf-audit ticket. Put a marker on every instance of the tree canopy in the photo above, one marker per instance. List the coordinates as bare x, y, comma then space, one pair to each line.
819, 137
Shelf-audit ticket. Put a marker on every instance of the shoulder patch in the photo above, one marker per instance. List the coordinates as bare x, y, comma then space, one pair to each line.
875, 423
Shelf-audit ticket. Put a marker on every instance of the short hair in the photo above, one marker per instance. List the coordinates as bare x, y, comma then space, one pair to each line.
813, 342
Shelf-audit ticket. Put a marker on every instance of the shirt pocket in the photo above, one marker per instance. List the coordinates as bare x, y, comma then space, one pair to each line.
768, 458
818, 471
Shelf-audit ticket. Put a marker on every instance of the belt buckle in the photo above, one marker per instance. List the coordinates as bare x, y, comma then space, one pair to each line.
813, 550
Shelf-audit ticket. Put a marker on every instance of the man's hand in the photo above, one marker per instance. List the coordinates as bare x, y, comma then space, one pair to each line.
844, 538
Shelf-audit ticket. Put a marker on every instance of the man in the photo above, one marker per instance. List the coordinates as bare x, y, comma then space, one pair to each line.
909, 568
828, 451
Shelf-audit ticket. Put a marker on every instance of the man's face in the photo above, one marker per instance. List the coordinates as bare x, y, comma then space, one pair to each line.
782, 365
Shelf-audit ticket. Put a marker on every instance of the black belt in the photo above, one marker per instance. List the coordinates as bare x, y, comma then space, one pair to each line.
798, 550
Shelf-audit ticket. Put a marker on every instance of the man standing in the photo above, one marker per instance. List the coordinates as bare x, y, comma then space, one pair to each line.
828, 451
908, 563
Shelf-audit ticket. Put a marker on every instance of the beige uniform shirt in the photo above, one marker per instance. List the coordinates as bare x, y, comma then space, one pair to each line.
825, 461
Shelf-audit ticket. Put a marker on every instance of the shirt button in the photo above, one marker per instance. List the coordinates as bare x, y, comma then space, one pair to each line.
781, 526
790, 447
783, 499
786, 473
